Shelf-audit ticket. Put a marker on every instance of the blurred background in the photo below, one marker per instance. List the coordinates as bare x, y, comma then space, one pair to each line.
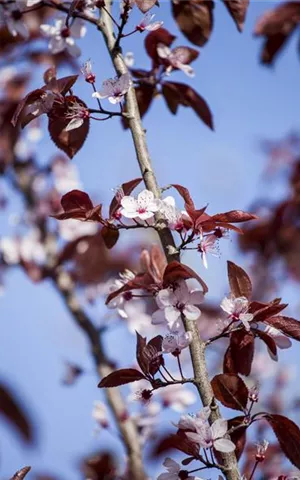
246, 163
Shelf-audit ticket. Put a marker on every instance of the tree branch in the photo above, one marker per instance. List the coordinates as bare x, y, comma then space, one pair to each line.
197, 347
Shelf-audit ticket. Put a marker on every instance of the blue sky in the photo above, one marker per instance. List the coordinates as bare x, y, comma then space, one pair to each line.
221, 168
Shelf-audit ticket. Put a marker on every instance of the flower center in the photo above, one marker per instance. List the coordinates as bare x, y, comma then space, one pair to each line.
65, 33
142, 210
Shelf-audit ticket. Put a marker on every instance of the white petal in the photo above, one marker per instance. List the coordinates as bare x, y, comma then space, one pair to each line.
145, 215
169, 201
72, 48
204, 259
187, 69
219, 428
191, 312
182, 292
194, 437
224, 445
129, 204
172, 314
47, 30
57, 44
163, 51
227, 305
154, 26
144, 198
282, 341
99, 95
74, 123
165, 298
115, 100
171, 465
168, 476
158, 317
196, 297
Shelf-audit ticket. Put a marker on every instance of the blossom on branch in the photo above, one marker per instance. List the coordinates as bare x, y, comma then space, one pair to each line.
237, 309
86, 70
208, 244
62, 37
177, 220
114, 88
11, 16
175, 472
77, 113
143, 207
281, 340
174, 60
175, 342
212, 436
146, 24
173, 304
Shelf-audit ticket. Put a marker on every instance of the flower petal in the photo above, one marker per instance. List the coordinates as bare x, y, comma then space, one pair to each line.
191, 312
224, 445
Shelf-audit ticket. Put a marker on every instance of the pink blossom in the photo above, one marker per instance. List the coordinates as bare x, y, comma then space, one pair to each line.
174, 471
11, 16
143, 207
192, 422
237, 309
261, 450
114, 88
174, 217
173, 57
174, 343
86, 70
212, 436
175, 303
120, 301
77, 113
146, 24
177, 397
62, 37
208, 244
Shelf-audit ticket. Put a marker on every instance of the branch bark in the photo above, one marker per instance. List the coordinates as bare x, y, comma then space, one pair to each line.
197, 347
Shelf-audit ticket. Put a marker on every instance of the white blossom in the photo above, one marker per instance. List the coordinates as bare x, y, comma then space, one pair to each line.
143, 207
100, 414
62, 37
114, 88
174, 343
173, 60
173, 471
173, 215
177, 397
208, 244
175, 303
237, 309
77, 113
147, 24
11, 16
27, 248
212, 436
86, 70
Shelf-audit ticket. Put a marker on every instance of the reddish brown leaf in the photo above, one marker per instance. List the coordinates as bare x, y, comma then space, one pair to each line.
242, 351
183, 191
288, 326
28, 100
238, 11
121, 377
270, 343
70, 141
195, 19
186, 55
230, 390
20, 474
239, 281
126, 189
186, 96
14, 413
228, 364
148, 355
178, 271
288, 435
77, 204
110, 235
145, 5
154, 38
171, 96
269, 311
178, 441
61, 85
234, 216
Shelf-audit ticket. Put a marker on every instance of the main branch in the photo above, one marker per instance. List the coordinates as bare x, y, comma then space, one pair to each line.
197, 347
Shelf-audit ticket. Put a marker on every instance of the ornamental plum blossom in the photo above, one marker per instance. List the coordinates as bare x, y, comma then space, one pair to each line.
173, 58
86, 70
120, 301
146, 24
237, 309
114, 88
177, 397
143, 207
100, 414
77, 113
11, 16
62, 37
212, 436
174, 343
175, 303
175, 472
208, 244
261, 449
176, 219
190, 422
